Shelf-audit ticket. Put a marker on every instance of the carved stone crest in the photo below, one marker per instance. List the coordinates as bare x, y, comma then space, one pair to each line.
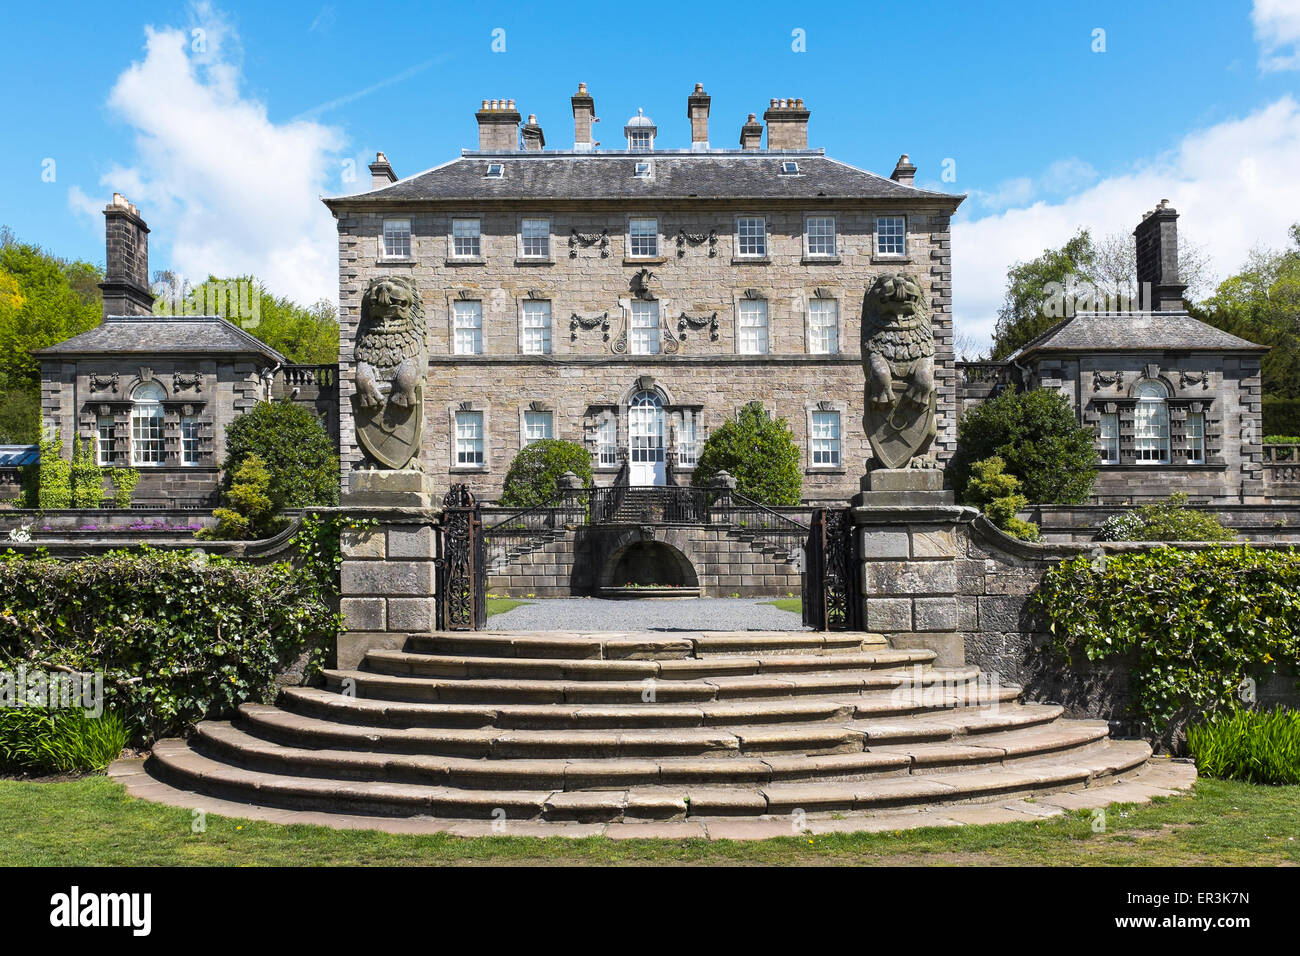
640, 284
898, 359
392, 360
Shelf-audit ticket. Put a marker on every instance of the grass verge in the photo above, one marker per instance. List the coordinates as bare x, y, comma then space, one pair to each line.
92, 822
501, 605
793, 605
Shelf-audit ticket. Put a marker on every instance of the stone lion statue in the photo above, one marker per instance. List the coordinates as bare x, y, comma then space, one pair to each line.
391, 343
897, 341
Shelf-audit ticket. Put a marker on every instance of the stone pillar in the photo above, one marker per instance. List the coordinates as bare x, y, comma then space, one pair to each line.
387, 582
909, 556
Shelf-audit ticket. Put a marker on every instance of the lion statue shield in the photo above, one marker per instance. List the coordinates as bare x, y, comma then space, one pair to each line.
898, 359
391, 361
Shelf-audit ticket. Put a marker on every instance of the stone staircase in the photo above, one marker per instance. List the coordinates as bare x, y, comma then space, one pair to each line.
642, 727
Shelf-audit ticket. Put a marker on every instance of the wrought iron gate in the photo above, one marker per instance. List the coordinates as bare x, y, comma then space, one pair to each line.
462, 566
832, 596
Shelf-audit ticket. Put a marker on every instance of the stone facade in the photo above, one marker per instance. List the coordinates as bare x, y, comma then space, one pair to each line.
592, 282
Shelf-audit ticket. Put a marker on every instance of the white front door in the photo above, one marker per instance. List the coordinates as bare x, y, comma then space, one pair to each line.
645, 418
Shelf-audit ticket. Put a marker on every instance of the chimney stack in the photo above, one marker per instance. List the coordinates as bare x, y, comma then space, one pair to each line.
498, 126
1156, 238
904, 172
697, 111
751, 134
381, 172
787, 124
584, 115
126, 253
534, 138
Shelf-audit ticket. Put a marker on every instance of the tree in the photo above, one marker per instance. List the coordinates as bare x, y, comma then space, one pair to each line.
1114, 267
759, 452
533, 477
1024, 314
296, 451
997, 494
249, 510
1035, 433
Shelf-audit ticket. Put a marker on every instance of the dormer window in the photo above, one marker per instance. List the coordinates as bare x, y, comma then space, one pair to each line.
495, 171
644, 170
640, 132
640, 139
789, 168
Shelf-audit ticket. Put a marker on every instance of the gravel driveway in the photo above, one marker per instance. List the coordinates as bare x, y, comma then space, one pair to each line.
672, 614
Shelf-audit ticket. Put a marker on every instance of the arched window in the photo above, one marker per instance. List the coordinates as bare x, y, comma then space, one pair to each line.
147, 424
1151, 423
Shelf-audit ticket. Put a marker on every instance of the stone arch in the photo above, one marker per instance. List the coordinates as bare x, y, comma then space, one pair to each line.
647, 383
639, 557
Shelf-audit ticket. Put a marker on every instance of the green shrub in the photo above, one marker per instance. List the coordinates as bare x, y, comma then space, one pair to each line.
249, 512
55, 481
1281, 440
123, 481
1194, 623
87, 476
997, 494
178, 635
1170, 520
295, 448
43, 740
1281, 415
1035, 433
759, 452
533, 477
1254, 746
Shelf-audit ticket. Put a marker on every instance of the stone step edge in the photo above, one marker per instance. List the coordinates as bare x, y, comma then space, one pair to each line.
655, 645
175, 763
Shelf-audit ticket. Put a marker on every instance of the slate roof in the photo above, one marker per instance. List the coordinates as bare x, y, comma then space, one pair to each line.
14, 456
152, 334
1135, 332
716, 174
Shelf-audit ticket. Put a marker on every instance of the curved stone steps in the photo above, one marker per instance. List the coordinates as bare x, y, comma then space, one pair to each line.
724, 741
405, 663
664, 645
178, 764
892, 701
508, 690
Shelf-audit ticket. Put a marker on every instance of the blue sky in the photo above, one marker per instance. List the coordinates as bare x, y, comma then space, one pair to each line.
227, 143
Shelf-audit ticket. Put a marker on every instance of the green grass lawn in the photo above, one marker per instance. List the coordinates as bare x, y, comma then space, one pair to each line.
793, 605
92, 822
501, 605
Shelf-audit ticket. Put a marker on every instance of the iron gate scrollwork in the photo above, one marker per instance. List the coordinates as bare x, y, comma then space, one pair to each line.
462, 568
832, 598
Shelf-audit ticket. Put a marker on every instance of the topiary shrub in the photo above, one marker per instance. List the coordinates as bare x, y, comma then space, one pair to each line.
1249, 745
1169, 520
87, 477
249, 512
1035, 433
759, 452
1196, 624
123, 481
295, 449
997, 494
55, 482
533, 477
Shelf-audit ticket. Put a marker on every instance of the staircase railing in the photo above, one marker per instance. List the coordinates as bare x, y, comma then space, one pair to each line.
761, 522
506, 531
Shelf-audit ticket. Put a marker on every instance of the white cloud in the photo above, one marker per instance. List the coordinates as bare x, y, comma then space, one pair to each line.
230, 191
1277, 30
1233, 183
85, 207
1060, 178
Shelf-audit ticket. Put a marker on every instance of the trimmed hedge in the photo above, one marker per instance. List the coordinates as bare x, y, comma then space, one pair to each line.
298, 452
534, 474
760, 452
179, 635
1197, 624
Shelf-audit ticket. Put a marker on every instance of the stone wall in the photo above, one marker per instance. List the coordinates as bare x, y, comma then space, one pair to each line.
1279, 521
583, 379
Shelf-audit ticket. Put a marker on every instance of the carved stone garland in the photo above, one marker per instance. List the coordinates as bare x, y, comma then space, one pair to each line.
577, 321
587, 240
696, 239
698, 322
181, 382
103, 383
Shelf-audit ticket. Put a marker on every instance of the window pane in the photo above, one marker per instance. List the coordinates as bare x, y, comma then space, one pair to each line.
397, 238
105, 428
469, 438
147, 434
1151, 423
823, 326
643, 237
643, 333
826, 438
189, 441
537, 328
537, 425
891, 236
607, 442
821, 235
1196, 437
753, 327
468, 332
1110, 438
688, 449
536, 237
751, 236
465, 238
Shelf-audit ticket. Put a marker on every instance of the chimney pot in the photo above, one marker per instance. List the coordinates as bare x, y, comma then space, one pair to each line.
584, 115
1156, 240
751, 134
697, 111
498, 126
904, 172
381, 172
787, 124
126, 255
